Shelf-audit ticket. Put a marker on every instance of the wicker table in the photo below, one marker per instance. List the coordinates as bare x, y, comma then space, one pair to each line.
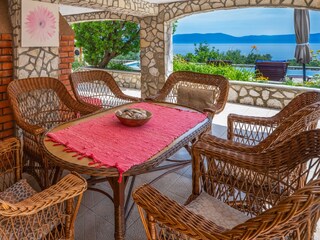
111, 175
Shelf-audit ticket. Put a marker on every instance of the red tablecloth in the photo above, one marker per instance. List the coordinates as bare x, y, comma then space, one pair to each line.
109, 143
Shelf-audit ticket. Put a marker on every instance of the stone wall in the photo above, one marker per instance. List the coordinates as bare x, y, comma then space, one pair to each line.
263, 95
247, 93
127, 79
31, 61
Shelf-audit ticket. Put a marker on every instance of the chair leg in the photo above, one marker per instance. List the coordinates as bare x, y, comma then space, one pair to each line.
152, 227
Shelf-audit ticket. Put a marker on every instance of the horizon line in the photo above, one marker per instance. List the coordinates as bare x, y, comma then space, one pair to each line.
239, 36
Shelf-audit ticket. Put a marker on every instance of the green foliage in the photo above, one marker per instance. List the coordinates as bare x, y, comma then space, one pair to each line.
76, 65
174, 26
228, 71
203, 53
104, 40
129, 56
118, 66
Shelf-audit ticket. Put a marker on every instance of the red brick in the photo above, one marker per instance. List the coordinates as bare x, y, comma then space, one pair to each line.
71, 54
64, 77
7, 125
5, 81
7, 111
67, 60
66, 71
6, 36
7, 65
4, 104
5, 44
67, 37
5, 58
7, 133
6, 118
3, 88
64, 43
66, 49
63, 54
71, 43
6, 73
63, 65
6, 51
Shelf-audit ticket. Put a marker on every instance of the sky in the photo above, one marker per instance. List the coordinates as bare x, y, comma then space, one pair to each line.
242, 22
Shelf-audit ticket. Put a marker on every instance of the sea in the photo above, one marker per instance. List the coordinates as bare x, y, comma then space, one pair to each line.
281, 51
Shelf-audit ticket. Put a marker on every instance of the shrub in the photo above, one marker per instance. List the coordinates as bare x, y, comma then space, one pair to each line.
118, 66
228, 71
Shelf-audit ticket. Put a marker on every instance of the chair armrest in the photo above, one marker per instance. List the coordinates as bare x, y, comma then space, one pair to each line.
173, 215
154, 98
35, 130
249, 127
69, 187
8, 144
228, 144
129, 98
84, 108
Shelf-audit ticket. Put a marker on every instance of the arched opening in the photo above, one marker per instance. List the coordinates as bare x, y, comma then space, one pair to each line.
242, 36
112, 46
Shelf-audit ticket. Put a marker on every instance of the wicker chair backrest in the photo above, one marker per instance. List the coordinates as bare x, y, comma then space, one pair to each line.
217, 83
302, 120
299, 102
41, 101
97, 87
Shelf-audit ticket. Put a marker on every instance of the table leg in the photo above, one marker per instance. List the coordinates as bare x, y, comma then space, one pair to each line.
119, 202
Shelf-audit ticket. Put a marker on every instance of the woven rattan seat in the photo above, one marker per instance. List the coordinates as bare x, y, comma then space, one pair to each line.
292, 214
39, 104
97, 87
49, 214
199, 84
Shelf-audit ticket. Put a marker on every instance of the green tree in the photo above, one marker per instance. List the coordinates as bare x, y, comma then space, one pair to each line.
101, 41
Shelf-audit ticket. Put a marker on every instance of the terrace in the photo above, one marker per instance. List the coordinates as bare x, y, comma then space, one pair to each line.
25, 60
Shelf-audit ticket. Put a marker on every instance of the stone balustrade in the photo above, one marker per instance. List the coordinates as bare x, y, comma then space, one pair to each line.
250, 93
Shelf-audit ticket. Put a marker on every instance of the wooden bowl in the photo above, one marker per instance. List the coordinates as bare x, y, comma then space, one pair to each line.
132, 122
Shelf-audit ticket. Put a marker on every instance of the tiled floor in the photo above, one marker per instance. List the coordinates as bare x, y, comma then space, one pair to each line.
95, 218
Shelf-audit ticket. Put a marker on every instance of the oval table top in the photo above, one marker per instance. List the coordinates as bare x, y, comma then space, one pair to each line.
67, 161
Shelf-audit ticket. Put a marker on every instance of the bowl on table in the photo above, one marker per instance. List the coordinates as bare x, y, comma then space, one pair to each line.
133, 117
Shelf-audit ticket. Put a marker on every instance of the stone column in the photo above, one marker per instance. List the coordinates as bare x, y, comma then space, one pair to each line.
156, 54
151, 56
168, 48
30, 61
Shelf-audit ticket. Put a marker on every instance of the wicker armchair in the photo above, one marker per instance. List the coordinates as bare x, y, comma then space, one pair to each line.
252, 130
204, 92
98, 88
282, 206
26, 214
302, 120
39, 104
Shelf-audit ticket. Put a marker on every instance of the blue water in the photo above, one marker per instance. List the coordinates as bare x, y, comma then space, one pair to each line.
277, 51
283, 51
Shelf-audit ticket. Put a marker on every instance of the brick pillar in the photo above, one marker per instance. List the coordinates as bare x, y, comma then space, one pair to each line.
6, 76
66, 55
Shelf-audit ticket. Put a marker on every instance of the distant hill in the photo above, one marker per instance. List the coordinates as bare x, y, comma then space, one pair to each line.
225, 38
